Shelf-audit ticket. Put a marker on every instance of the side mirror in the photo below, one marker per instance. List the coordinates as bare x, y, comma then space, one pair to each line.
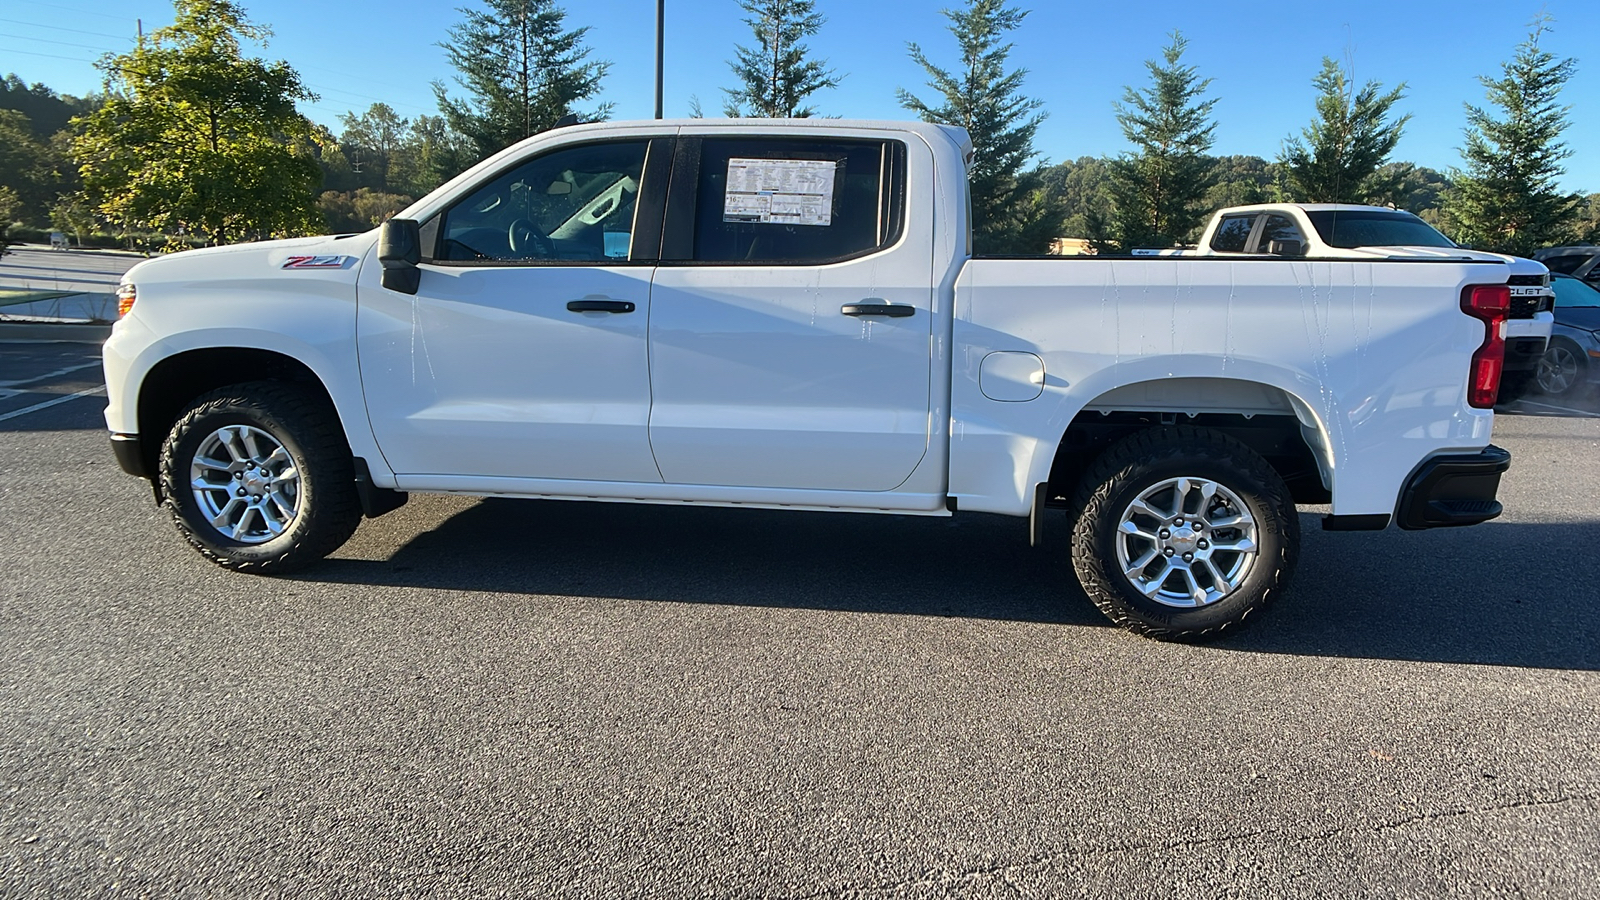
1286, 248
399, 250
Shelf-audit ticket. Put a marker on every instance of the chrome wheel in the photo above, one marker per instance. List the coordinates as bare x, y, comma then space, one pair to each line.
245, 484
1186, 542
1558, 370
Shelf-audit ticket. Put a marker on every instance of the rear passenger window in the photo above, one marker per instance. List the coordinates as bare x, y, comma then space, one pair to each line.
1564, 265
1279, 228
796, 201
1232, 233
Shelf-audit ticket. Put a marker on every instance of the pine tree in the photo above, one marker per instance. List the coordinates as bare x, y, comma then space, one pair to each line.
1507, 199
1012, 209
776, 77
1338, 157
522, 71
1158, 190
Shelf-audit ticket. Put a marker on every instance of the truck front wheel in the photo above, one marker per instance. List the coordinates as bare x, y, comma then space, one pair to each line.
258, 477
1182, 533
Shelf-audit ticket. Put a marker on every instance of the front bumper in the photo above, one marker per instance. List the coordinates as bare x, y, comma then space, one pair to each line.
129, 451
1523, 354
1453, 490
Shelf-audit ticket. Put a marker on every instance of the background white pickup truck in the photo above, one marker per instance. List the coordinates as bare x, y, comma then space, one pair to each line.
1344, 231
786, 315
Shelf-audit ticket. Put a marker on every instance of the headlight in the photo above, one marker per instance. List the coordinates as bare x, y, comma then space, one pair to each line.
126, 294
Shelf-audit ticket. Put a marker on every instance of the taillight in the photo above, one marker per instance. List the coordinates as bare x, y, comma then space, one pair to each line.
1489, 303
126, 294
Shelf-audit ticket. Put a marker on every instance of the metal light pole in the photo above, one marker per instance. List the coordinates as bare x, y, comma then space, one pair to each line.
661, 17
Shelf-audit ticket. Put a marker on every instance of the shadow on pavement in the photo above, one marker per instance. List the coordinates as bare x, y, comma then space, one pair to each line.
1499, 594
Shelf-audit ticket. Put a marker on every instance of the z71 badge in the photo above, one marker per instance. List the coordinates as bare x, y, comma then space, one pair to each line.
317, 262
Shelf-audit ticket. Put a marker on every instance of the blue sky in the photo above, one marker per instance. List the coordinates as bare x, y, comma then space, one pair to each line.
1261, 57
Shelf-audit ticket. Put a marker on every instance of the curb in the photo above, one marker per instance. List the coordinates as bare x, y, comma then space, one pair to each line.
52, 332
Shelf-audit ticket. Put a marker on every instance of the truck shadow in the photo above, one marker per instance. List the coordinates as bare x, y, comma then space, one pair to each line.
1507, 594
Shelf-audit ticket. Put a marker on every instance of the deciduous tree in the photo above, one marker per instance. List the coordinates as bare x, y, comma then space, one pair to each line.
775, 76
1508, 198
1013, 209
196, 137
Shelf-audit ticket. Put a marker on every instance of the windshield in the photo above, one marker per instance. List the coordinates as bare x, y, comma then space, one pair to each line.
1571, 292
1375, 228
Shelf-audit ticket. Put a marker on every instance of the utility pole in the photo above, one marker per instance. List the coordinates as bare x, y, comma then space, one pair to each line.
661, 43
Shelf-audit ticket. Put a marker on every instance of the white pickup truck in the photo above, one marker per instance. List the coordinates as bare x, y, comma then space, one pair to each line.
1345, 231
787, 315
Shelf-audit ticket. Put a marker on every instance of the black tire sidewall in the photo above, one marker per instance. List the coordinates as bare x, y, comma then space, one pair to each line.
1276, 536
177, 456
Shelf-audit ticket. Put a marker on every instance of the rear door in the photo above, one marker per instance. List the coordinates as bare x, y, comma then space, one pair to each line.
790, 319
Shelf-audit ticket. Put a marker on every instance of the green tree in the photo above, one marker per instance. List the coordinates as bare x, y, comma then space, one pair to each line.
196, 138
1159, 189
1241, 181
9, 204
1508, 198
48, 111
73, 213
1013, 208
775, 75
25, 168
1589, 219
359, 211
523, 73
373, 138
1338, 157
430, 155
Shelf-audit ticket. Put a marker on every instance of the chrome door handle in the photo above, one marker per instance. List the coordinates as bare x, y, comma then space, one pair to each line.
893, 311
605, 306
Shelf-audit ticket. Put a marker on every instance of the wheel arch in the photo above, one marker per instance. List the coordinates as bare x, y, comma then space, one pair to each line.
1275, 422
174, 381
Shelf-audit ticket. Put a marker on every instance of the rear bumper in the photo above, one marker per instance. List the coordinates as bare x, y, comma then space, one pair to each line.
1453, 490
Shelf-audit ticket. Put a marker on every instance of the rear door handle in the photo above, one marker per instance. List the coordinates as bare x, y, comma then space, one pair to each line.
893, 311
605, 306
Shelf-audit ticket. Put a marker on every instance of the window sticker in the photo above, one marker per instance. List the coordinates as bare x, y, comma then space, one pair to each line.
780, 191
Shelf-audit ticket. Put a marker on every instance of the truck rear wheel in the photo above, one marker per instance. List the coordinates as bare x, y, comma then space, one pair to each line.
1183, 533
258, 477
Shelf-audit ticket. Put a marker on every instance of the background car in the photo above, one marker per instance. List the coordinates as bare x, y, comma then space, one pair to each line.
1581, 262
1573, 358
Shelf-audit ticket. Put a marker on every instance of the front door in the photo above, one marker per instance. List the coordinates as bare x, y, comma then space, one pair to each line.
523, 352
791, 319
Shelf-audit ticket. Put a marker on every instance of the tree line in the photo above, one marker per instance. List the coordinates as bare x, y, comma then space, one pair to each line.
194, 141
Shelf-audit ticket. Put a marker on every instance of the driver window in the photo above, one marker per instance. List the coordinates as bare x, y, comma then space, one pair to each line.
570, 205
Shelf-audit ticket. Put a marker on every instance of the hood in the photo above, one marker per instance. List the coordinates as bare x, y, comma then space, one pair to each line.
327, 257
1584, 317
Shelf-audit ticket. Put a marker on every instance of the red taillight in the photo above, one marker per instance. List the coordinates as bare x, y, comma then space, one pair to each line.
126, 294
1489, 303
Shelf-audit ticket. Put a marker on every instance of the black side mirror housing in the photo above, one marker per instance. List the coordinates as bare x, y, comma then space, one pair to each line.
400, 250
1286, 248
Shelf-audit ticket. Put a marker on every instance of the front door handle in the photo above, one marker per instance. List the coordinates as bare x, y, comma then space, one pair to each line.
893, 311
605, 306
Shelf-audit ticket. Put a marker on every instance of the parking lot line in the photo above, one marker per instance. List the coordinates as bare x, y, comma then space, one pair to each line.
67, 371
53, 402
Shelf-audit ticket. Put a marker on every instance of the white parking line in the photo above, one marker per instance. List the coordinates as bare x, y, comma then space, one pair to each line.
1562, 409
49, 403
68, 370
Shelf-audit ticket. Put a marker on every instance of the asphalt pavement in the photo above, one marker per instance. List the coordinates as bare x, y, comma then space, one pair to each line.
518, 698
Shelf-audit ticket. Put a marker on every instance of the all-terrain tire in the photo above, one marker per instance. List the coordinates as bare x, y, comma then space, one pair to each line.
320, 488
1154, 464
